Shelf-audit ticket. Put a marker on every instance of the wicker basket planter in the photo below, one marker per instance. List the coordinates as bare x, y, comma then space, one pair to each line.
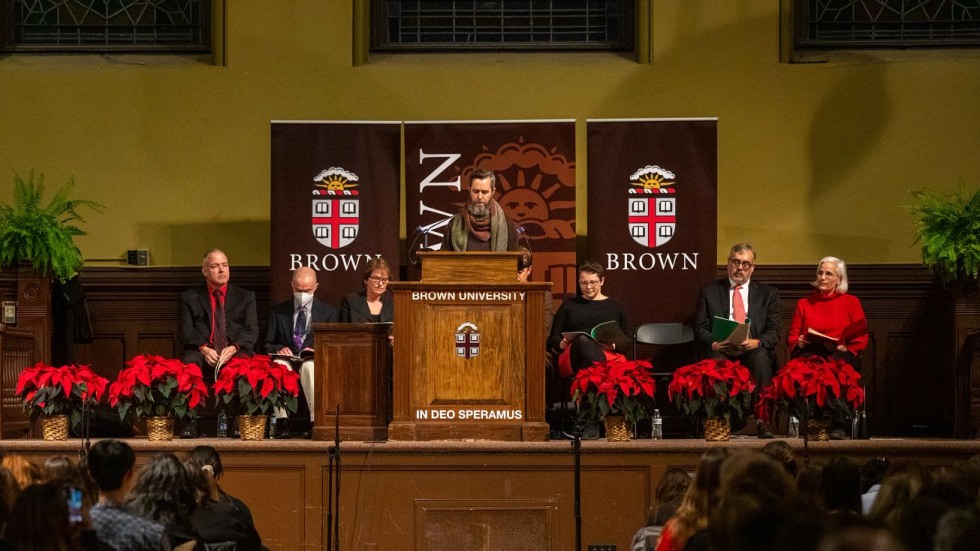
717, 429
252, 427
160, 429
616, 429
818, 429
54, 427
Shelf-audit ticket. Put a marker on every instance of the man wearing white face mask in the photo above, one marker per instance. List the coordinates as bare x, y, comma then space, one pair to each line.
288, 331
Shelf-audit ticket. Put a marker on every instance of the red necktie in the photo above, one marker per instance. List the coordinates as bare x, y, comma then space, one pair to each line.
738, 306
218, 334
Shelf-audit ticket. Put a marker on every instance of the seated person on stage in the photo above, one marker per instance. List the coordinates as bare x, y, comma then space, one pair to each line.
737, 297
582, 313
524, 265
217, 322
289, 332
481, 224
374, 304
830, 311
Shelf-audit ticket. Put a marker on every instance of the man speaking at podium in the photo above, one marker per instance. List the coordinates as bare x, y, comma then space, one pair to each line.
481, 224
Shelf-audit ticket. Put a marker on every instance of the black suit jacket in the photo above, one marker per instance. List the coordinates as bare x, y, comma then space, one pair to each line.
763, 311
354, 308
241, 321
279, 330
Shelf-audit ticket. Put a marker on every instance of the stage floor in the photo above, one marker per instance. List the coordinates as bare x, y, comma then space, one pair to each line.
470, 494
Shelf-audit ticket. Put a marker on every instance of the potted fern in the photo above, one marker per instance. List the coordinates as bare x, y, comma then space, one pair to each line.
948, 229
42, 235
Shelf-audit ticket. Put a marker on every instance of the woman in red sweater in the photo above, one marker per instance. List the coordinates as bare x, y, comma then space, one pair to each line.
829, 322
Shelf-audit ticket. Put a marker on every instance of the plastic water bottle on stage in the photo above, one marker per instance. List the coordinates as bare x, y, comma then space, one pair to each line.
222, 425
794, 428
658, 426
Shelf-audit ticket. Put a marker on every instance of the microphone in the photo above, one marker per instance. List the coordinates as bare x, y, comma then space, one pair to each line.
522, 238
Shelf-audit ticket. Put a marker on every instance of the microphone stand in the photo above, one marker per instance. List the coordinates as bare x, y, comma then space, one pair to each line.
333, 492
576, 438
86, 433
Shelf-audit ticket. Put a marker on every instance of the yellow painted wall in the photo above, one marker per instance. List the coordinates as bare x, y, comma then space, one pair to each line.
814, 159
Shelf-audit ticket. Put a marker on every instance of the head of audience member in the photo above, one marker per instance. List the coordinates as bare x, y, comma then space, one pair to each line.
110, 463
808, 482
670, 491
959, 530
482, 185
957, 484
207, 455
304, 284
753, 489
39, 520
861, 536
591, 280
783, 454
164, 493
9, 490
916, 526
831, 276
377, 274
898, 488
61, 470
203, 481
741, 263
524, 264
873, 472
840, 486
25, 472
215, 268
701, 496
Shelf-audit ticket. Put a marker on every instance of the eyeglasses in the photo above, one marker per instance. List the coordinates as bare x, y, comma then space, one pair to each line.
588, 283
379, 280
743, 264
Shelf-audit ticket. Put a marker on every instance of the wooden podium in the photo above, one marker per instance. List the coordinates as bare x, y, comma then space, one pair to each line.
352, 369
469, 351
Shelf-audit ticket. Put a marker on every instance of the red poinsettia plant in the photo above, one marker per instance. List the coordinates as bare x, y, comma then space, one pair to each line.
712, 388
49, 390
813, 386
614, 387
256, 385
154, 386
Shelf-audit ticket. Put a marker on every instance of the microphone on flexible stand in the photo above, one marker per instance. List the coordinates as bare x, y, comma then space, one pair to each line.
522, 238
421, 233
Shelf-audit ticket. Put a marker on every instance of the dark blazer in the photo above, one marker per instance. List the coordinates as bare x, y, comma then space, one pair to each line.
279, 330
763, 311
354, 308
242, 324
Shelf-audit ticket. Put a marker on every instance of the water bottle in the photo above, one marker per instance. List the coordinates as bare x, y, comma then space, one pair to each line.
658, 426
794, 428
272, 427
222, 425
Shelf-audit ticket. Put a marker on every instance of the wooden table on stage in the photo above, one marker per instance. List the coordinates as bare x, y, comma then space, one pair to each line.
469, 351
352, 363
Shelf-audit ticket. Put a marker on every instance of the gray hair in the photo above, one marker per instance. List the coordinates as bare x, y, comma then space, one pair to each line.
841, 269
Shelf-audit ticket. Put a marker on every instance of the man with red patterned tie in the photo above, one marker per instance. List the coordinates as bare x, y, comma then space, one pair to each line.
217, 321
739, 298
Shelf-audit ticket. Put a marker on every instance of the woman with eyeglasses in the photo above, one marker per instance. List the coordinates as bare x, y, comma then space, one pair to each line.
582, 313
829, 322
373, 304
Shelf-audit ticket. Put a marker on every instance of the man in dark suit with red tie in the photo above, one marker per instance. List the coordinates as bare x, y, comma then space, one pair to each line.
217, 321
738, 297
289, 332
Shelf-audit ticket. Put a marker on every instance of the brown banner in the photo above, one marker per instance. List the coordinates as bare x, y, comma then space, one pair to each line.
653, 213
334, 202
535, 166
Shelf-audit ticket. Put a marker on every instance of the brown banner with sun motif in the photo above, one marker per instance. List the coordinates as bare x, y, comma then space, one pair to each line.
534, 162
334, 203
653, 213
